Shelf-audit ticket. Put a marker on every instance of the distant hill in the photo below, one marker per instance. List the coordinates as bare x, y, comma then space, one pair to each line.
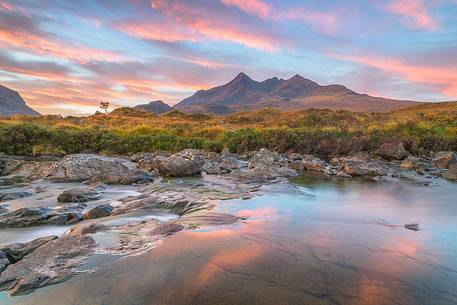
246, 94
157, 107
11, 103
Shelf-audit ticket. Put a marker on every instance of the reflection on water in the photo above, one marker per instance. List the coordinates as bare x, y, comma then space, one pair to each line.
310, 242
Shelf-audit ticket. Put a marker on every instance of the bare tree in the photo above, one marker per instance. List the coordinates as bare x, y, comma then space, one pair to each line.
104, 106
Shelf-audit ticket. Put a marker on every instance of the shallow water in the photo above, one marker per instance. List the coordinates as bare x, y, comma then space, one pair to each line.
312, 241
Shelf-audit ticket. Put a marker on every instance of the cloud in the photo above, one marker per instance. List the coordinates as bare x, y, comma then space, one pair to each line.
255, 7
321, 21
21, 32
415, 13
441, 78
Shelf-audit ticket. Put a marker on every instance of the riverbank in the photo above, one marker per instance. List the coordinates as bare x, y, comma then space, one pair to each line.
96, 221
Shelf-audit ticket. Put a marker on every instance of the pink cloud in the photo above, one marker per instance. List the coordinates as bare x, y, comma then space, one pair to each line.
415, 11
255, 7
320, 21
444, 78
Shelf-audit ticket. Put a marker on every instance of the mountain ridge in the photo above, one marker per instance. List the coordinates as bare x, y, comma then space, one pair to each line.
244, 94
157, 107
11, 103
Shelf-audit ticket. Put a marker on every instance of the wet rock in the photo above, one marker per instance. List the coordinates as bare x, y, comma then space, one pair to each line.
343, 175
28, 171
392, 151
81, 194
412, 226
444, 159
16, 252
314, 164
102, 210
85, 228
37, 216
167, 228
14, 195
451, 173
207, 219
410, 163
353, 169
8, 165
47, 265
263, 158
82, 167
4, 208
297, 165
176, 166
4, 261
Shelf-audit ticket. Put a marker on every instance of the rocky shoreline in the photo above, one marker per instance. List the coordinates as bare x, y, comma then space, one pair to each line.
25, 267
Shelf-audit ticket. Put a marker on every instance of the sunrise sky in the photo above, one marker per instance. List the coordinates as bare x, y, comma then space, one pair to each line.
66, 56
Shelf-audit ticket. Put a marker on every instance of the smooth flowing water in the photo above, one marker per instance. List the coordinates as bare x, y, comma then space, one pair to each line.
311, 241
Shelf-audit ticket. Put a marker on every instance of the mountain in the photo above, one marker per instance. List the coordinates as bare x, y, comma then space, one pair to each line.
297, 92
11, 103
157, 107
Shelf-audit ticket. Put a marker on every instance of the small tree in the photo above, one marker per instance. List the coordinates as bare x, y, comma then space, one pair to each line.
104, 106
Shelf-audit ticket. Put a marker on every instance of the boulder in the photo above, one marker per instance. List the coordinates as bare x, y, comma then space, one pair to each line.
297, 165
14, 195
313, 164
294, 156
353, 169
4, 261
444, 159
37, 216
47, 265
263, 158
177, 166
81, 194
102, 210
392, 151
451, 173
410, 163
82, 167
8, 165
16, 252
4, 208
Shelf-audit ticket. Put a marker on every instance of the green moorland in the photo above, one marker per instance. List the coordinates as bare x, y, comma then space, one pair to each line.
423, 128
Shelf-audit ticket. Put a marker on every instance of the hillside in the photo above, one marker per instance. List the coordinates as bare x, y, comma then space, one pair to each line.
157, 107
245, 94
11, 103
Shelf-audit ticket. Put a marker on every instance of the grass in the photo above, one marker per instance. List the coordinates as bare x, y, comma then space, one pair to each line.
423, 128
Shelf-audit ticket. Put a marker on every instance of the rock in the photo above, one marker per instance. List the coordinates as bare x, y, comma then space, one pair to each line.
167, 228
8, 166
27, 171
102, 210
392, 151
451, 173
353, 168
444, 159
314, 164
263, 158
176, 166
412, 226
229, 163
4, 208
297, 165
81, 194
85, 228
37, 216
410, 163
14, 195
16, 252
295, 156
82, 167
207, 219
343, 175
4, 261
47, 265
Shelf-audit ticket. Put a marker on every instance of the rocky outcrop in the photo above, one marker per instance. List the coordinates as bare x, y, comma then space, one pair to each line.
444, 159
82, 194
49, 264
16, 252
82, 167
37, 216
392, 151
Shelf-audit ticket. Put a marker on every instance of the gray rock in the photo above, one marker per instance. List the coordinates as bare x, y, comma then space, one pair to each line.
444, 159
16, 252
392, 151
4, 208
4, 261
37, 216
451, 173
314, 164
177, 165
47, 265
102, 210
263, 158
82, 167
14, 195
81, 194
410, 163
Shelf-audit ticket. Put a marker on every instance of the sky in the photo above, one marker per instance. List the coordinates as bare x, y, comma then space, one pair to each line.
64, 57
